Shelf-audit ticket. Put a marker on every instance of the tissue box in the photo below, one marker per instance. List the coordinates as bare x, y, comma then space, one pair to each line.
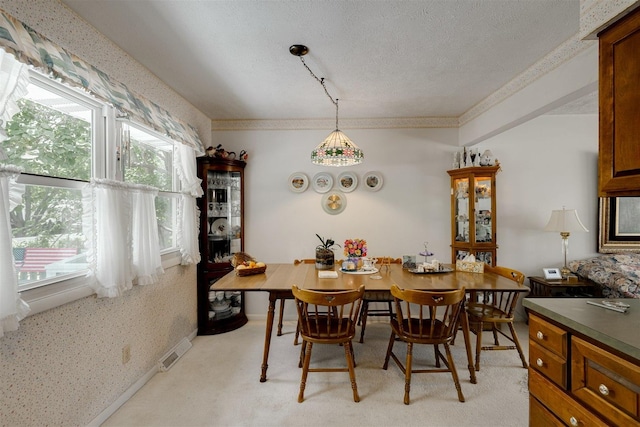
471, 267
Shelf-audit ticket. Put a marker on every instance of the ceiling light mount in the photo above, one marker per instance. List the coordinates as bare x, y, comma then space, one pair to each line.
337, 149
298, 50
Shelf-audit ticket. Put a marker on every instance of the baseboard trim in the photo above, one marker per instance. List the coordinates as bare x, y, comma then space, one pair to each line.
122, 399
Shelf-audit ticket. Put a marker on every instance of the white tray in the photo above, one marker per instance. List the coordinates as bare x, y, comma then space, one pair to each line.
375, 270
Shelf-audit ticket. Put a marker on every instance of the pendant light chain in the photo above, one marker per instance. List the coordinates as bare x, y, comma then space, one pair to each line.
324, 86
336, 149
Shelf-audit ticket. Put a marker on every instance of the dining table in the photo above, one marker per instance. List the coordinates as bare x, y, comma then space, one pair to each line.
278, 279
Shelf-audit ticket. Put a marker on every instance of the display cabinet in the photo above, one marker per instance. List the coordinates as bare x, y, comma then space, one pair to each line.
473, 213
221, 235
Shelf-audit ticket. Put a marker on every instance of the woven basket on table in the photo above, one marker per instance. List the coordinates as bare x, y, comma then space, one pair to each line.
241, 257
250, 271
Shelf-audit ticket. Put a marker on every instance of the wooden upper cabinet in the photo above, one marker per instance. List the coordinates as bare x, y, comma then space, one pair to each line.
619, 84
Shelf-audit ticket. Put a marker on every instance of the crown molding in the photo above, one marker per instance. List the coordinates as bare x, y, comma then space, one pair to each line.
596, 15
323, 124
545, 65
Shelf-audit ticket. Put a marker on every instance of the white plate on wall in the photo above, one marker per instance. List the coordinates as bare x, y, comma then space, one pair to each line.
298, 182
372, 181
347, 181
322, 182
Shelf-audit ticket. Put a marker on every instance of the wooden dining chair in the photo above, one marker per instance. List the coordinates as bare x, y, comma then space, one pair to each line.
425, 317
282, 300
377, 297
489, 310
327, 318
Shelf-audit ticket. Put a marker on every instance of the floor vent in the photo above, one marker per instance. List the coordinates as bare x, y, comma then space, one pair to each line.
169, 359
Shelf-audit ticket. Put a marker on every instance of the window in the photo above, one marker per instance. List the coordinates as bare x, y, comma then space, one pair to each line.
61, 138
52, 139
148, 158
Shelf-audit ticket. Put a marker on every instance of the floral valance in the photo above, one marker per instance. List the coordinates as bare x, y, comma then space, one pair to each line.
32, 48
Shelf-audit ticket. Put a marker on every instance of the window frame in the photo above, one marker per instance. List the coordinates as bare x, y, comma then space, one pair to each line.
51, 293
175, 179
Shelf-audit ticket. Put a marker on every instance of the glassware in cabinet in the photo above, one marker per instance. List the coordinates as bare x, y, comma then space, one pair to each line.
473, 209
221, 236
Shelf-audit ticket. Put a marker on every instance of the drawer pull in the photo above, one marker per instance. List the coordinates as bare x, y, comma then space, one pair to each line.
539, 362
603, 390
573, 421
539, 335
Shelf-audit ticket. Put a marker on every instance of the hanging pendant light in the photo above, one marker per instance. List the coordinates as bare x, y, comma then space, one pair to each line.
337, 149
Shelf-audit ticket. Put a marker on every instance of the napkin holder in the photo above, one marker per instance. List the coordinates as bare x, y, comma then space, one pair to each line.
470, 265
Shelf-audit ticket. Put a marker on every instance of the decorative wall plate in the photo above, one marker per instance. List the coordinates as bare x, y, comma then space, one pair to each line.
372, 181
298, 182
347, 181
322, 182
334, 202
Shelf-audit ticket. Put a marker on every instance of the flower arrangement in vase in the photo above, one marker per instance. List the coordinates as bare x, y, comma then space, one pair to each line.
324, 254
355, 249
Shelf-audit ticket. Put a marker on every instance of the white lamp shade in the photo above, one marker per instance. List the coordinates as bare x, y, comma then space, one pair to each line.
337, 150
565, 220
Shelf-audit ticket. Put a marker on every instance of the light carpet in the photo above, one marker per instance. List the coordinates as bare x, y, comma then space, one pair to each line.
216, 383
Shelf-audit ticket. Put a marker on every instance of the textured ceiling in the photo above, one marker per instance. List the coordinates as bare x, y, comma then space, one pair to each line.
382, 59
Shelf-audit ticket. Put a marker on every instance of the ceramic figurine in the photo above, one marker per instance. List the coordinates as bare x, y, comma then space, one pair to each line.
486, 159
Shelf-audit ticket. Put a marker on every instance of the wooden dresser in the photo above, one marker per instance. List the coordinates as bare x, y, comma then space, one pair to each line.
584, 363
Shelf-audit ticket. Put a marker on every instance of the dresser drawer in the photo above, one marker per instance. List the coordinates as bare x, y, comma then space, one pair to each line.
542, 416
548, 335
606, 382
549, 364
570, 412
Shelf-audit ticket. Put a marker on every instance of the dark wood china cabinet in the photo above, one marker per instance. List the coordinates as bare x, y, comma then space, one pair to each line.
221, 235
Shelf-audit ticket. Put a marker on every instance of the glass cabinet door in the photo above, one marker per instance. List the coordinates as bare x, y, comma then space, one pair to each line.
473, 216
224, 225
461, 209
483, 219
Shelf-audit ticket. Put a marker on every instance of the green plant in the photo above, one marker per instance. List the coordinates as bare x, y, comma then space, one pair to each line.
327, 244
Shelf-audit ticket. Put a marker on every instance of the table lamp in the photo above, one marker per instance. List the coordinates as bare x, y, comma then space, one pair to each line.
565, 222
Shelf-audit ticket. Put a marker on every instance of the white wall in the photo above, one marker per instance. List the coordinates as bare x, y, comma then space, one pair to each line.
546, 163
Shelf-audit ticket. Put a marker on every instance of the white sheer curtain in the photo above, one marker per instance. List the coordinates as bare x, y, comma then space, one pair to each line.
188, 170
188, 212
121, 228
14, 79
106, 221
189, 229
12, 307
147, 263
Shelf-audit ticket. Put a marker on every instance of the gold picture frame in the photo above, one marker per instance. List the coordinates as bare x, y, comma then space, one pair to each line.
619, 228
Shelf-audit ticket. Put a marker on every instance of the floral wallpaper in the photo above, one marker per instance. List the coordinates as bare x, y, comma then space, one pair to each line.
63, 367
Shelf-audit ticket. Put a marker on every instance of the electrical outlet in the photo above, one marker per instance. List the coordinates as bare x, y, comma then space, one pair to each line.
126, 354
